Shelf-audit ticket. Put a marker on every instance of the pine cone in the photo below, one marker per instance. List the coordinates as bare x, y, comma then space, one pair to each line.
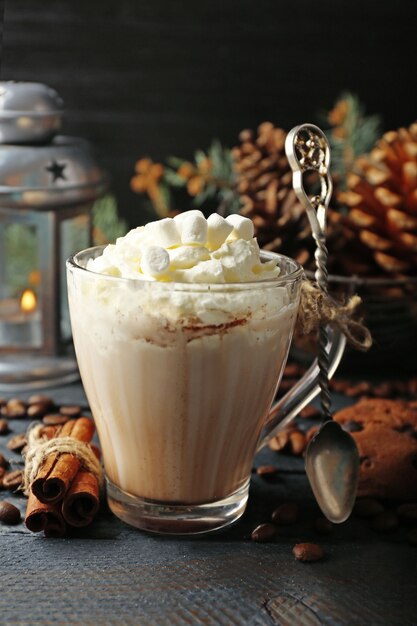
264, 184
381, 198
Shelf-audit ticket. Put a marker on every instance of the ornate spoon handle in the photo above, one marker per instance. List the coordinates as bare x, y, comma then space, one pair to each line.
308, 150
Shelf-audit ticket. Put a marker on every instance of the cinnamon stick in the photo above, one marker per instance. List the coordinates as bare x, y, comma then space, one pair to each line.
48, 432
82, 501
46, 517
59, 470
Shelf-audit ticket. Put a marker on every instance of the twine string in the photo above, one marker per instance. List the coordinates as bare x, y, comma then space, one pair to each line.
40, 448
317, 307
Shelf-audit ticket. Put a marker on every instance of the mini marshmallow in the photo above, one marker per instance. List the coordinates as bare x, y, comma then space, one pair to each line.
155, 261
194, 230
178, 219
163, 233
185, 257
218, 231
242, 227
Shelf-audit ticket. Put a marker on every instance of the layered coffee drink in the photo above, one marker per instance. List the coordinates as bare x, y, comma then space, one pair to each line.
181, 330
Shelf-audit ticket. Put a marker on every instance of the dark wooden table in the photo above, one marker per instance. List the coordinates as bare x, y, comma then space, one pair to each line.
110, 573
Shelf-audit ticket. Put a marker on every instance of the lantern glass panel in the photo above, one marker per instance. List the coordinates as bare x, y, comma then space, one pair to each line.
20, 286
74, 236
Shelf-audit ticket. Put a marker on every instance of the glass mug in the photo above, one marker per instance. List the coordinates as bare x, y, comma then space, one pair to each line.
180, 379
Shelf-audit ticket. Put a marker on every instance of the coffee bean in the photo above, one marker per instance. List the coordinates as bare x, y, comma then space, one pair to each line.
293, 370
40, 399
16, 408
400, 387
306, 552
412, 537
310, 412
312, 432
367, 507
363, 388
339, 386
298, 442
323, 526
385, 522
353, 391
13, 480
16, 411
9, 514
3, 461
268, 472
408, 512
36, 411
14, 401
280, 441
4, 426
17, 442
54, 419
70, 411
286, 513
384, 390
264, 533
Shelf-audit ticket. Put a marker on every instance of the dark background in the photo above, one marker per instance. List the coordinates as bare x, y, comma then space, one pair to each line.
166, 76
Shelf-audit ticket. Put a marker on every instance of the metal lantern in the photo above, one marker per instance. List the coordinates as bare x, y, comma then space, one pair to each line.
48, 185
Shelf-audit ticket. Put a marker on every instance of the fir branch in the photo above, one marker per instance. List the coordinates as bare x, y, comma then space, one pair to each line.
107, 226
208, 179
351, 134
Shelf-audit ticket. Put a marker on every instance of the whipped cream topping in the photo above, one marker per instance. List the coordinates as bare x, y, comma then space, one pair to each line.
188, 249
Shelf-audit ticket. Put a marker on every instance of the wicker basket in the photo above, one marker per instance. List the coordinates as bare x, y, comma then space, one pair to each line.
389, 309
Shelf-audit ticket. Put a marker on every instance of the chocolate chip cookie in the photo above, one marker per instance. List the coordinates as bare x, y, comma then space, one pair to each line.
386, 434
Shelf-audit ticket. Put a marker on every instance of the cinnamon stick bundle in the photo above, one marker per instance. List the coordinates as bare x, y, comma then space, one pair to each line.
63, 493
59, 470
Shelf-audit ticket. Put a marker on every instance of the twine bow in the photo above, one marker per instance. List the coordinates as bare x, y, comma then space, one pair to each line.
317, 307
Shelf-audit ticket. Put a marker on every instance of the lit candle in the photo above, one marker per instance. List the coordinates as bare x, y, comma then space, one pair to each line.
20, 321
28, 301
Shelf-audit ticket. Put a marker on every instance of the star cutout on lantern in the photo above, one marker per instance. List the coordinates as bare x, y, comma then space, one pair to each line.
57, 170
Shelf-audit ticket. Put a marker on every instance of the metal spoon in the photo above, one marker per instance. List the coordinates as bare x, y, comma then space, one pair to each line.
332, 458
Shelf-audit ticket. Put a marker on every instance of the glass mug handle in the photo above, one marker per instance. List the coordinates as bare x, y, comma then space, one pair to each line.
303, 392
